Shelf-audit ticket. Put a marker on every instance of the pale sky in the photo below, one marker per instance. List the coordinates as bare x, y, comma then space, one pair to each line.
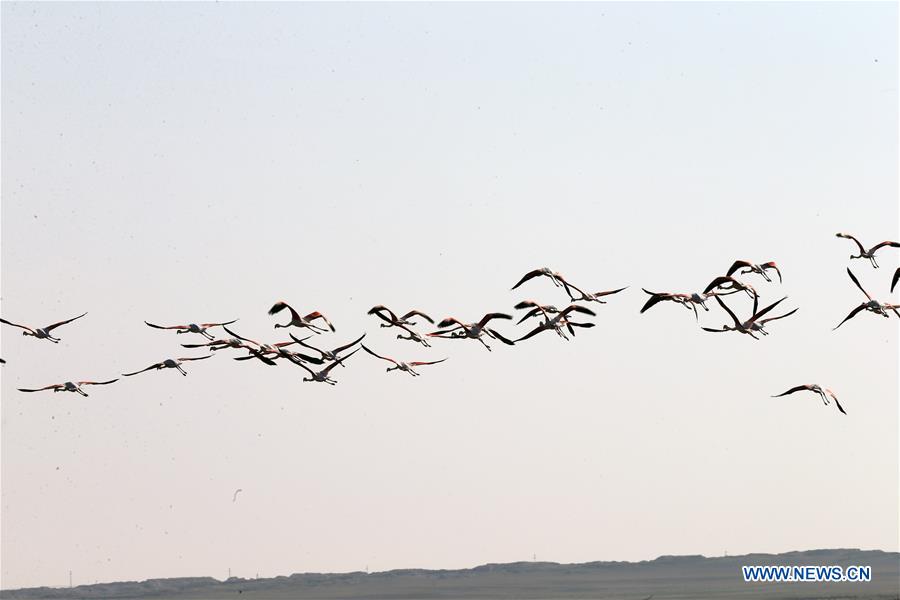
178, 162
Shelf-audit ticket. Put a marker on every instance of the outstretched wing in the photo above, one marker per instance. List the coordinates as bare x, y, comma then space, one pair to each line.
766, 309
653, 300
851, 315
98, 382
501, 338
578, 308
196, 357
792, 390
718, 281
345, 346
450, 321
850, 237
787, 314
378, 355
166, 327
150, 368
530, 275
738, 264
55, 325
895, 279
883, 244
419, 363
417, 313
55, 386
233, 334
609, 292
16, 325
206, 325
484, 320
856, 281
531, 313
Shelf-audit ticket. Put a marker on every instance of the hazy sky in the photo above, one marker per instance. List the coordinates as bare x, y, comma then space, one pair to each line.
183, 162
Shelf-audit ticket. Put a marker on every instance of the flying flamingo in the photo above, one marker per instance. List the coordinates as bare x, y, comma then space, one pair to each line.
870, 253
322, 376
754, 323
591, 297
413, 336
559, 321
328, 354
42, 333
473, 331
872, 305
536, 308
193, 327
752, 268
70, 386
297, 320
817, 389
169, 363
689, 301
403, 366
392, 320
262, 350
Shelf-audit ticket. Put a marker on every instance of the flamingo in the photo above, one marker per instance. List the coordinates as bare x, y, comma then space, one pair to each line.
322, 376
328, 354
689, 301
733, 286
297, 320
413, 336
754, 323
169, 363
392, 320
536, 308
557, 278
894, 279
559, 321
42, 333
473, 331
193, 327
870, 253
70, 386
872, 305
591, 297
403, 366
817, 389
752, 268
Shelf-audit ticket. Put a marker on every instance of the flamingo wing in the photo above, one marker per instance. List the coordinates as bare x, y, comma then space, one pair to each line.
419, 363
207, 325
337, 362
16, 325
737, 323
281, 305
158, 365
856, 281
345, 346
378, 355
317, 315
792, 390
738, 264
850, 237
530, 275
771, 265
166, 327
757, 315
787, 314
199, 357
55, 325
883, 244
484, 320
895, 279
98, 382
233, 334
838, 404
417, 313
852, 314
55, 386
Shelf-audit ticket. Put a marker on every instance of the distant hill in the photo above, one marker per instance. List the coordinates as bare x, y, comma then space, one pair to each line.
667, 577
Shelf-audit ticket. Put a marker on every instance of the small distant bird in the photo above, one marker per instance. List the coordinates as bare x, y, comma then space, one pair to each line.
895, 278
559, 321
392, 320
817, 389
70, 386
403, 366
169, 363
752, 325
726, 284
236, 492
193, 327
322, 376
557, 278
328, 354
689, 301
872, 305
42, 333
588, 296
752, 268
298, 321
474, 331
870, 253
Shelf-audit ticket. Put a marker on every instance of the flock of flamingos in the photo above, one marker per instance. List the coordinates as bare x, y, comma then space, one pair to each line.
318, 363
